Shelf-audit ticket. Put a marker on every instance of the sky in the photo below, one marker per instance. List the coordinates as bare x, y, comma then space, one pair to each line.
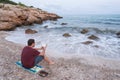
76, 6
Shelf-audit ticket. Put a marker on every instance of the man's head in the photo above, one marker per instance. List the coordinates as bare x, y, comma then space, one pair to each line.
31, 42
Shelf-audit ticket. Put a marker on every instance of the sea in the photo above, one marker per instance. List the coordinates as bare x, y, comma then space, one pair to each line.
103, 26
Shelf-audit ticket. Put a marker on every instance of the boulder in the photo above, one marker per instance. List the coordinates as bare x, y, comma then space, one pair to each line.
118, 34
6, 26
63, 23
84, 31
87, 42
96, 46
93, 37
67, 35
30, 31
54, 23
46, 26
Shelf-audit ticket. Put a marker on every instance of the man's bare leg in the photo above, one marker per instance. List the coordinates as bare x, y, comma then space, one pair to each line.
48, 60
45, 57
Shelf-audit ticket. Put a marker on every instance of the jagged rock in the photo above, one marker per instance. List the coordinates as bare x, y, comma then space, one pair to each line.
6, 26
87, 42
118, 34
67, 35
63, 23
46, 26
93, 37
30, 31
18, 15
84, 31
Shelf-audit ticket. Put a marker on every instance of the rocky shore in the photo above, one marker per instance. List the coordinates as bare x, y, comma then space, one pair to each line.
63, 69
12, 16
73, 68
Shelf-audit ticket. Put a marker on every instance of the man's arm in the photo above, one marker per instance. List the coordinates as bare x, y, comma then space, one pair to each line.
43, 52
39, 48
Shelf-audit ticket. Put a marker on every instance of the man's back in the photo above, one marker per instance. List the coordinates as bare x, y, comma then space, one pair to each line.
28, 56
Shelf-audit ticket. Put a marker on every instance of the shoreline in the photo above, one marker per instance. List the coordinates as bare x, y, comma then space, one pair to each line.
64, 69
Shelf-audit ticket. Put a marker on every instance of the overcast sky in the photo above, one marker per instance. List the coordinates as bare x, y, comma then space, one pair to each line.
76, 6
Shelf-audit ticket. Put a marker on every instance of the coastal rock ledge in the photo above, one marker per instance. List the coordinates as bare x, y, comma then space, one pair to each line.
12, 16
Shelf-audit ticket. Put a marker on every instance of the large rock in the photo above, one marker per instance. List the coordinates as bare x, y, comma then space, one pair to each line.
12, 16
96, 46
63, 23
87, 42
6, 26
118, 34
46, 26
93, 37
67, 35
84, 31
30, 31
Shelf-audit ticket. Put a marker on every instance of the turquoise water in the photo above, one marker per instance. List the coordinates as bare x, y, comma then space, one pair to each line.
103, 26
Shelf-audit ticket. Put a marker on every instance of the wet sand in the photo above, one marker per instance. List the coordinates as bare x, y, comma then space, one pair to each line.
63, 69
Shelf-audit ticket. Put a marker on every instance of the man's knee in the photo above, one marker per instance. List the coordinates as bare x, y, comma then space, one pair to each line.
38, 59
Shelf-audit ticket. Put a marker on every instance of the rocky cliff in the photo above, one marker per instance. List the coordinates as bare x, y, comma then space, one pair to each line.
12, 16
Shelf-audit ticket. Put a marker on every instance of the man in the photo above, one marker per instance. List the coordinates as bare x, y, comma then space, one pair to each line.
31, 56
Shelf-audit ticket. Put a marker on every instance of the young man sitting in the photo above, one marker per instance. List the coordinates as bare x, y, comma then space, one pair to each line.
31, 56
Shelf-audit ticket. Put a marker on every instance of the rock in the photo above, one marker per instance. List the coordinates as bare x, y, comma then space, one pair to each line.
84, 31
96, 46
46, 26
118, 34
67, 35
6, 26
54, 23
30, 31
63, 23
12, 16
117, 75
93, 37
87, 42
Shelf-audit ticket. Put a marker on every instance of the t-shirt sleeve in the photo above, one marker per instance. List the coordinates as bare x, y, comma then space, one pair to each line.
36, 53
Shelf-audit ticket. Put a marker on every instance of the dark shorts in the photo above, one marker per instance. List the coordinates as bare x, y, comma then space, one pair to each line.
38, 59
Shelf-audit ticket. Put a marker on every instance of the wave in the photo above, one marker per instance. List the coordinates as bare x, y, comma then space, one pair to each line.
109, 23
113, 20
90, 29
100, 29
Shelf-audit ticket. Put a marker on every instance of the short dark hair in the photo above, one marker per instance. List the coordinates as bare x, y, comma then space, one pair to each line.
30, 42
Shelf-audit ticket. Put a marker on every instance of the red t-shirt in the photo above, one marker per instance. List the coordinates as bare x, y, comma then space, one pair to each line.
28, 56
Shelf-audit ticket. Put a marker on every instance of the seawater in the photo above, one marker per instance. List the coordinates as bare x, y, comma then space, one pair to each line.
103, 26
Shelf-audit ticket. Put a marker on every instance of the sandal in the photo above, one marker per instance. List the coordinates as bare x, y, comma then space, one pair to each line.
43, 73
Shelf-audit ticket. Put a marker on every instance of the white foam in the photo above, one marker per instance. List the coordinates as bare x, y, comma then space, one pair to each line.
59, 46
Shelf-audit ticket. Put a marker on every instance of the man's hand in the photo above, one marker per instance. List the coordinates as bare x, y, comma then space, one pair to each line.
44, 47
42, 53
43, 50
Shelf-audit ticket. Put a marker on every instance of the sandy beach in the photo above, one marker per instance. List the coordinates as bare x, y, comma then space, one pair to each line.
63, 69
